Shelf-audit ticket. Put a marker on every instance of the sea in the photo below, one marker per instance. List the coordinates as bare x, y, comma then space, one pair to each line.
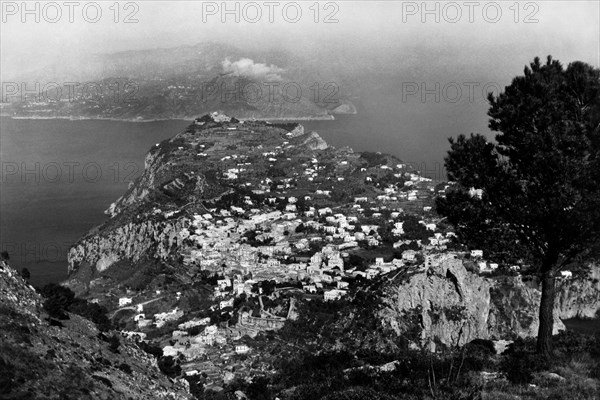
57, 178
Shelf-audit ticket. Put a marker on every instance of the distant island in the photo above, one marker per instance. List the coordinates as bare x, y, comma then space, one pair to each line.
176, 83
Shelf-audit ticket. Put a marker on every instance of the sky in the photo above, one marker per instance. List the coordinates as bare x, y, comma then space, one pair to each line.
481, 35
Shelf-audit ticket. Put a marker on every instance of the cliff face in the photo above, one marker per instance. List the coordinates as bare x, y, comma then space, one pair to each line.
138, 191
40, 360
132, 241
455, 306
580, 297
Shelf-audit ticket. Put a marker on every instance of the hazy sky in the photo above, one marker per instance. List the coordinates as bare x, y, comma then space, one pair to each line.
501, 35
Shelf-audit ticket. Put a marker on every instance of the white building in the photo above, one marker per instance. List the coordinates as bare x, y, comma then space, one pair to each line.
334, 294
123, 301
241, 349
476, 253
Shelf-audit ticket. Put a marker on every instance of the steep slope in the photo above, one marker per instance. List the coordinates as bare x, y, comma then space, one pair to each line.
42, 360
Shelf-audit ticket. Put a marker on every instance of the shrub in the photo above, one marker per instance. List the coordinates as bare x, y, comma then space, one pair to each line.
94, 312
125, 368
114, 343
572, 342
169, 366
151, 349
58, 300
521, 363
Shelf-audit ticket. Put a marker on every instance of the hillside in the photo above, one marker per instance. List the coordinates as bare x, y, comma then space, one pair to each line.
43, 358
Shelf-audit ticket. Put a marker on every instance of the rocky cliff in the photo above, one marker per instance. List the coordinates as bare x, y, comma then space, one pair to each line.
132, 241
40, 359
579, 297
455, 306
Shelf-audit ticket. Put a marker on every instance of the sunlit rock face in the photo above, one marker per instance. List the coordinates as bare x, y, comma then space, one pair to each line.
455, 306
579, 296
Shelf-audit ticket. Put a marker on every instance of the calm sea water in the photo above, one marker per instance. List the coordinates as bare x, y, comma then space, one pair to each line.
58, 176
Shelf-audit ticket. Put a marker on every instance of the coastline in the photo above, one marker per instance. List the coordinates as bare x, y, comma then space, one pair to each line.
328, 117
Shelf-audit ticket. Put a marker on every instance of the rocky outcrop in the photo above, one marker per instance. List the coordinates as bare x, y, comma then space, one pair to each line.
579, 297
132, 242
138, 190
297, 131
454, 306
314, 142
346, 108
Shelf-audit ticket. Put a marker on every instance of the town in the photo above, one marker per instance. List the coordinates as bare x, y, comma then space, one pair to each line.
246, 256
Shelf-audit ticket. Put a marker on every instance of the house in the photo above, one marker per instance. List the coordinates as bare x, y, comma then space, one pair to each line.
123, 301
334, 294
409, 255
398, 228
226, 303
477, 193
324, 211
137, 317
316, 259
194, 322
430, 227
371, 273
241, 349
359, 236
368, 228
476, 253
342, 285
373, 242
223, 283
335, 260
309, 288
162, 318
566, 274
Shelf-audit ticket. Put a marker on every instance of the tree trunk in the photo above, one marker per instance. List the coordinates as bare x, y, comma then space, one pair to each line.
544, 339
